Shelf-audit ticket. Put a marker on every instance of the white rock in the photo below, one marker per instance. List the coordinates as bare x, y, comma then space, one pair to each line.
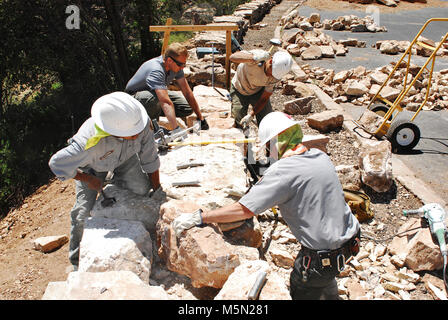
115, 245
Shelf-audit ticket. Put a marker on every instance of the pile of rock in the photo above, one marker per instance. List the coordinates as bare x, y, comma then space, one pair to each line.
389, 3
351, 23
359, 85
304, 37
245, 15
204, 71
393, 47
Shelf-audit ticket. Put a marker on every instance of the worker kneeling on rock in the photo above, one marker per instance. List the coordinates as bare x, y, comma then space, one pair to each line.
304, 185
150, 83
116, 138
254, 82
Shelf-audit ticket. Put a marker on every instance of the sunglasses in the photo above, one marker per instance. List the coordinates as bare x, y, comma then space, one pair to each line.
179, 64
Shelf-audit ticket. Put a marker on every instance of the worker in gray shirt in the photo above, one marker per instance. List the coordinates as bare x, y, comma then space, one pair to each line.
116, 138
305, 187
150, 83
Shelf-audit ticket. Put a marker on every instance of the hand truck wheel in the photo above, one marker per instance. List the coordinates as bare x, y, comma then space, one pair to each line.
403, 135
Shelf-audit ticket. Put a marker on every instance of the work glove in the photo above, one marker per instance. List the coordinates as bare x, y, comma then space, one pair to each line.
260, 55
246, 121
186, 221
158, 194
204, 124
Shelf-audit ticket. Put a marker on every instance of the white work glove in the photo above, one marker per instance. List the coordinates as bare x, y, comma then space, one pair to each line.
246, 121
260, 55
186, 221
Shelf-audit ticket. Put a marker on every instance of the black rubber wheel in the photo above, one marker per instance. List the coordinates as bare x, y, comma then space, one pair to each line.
403, 135
380, 109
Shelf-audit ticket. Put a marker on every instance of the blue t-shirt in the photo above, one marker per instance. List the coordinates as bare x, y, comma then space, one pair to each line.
151, 76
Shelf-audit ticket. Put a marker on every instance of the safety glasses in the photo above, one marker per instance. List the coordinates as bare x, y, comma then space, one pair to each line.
179, 64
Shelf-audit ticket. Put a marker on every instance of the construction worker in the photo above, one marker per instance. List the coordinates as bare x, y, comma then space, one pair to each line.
116, 138
253, 83
150, 83
304, 185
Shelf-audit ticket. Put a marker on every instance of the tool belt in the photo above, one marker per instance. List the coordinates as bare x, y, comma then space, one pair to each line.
331, 260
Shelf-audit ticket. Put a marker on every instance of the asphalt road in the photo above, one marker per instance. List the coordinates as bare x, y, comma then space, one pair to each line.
429, 159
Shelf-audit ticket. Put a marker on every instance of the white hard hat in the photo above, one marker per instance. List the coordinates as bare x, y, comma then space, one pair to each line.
281, 64
273, 124
119, 114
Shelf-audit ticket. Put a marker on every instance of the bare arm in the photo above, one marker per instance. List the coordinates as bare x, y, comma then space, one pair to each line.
154, 179
92, 182
229, 213
167, 107
188, 94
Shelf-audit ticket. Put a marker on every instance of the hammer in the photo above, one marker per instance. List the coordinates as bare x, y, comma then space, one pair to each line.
107, 201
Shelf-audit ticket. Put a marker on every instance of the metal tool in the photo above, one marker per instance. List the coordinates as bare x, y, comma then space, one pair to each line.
107, 201
164, 140
434, 215
403, 134
189, 165
258, 285
186, 183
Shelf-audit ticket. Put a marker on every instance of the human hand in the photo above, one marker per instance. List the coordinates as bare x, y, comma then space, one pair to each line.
186, 221
246, 121
260, 55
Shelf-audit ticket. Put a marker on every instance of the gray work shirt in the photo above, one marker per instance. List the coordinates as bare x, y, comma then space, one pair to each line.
151, 76
108, 154
307, 190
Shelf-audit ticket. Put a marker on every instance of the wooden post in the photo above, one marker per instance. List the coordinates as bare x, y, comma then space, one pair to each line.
166, 35
228, 27
228, 53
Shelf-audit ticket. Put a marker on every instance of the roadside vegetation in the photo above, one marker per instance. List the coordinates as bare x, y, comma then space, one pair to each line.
52, 70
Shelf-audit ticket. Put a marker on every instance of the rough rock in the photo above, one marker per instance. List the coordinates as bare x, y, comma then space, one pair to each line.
298, 106
115, 245
240, 282
375, 163
200, 253
417, 249
50, 243
112, 285
248, 234
318, 141
356, 88
326, 121
312, 53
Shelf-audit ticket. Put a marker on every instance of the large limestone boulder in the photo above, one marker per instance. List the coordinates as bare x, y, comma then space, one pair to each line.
240, 282
112, 285
375, 164
200, 253
214, 186
113, 245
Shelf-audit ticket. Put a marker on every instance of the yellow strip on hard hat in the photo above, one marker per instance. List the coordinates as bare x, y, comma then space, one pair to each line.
93, 141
